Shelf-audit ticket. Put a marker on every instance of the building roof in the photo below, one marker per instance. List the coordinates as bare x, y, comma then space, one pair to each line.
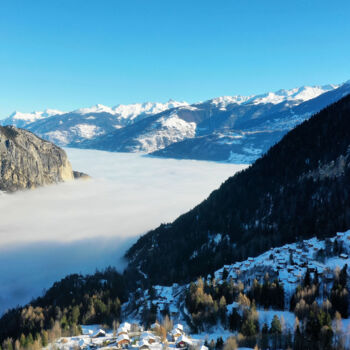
184, 338
99, 333
125, 325
123, 337
179, 326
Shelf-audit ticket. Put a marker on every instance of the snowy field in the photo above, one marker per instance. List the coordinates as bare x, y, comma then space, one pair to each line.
83, 225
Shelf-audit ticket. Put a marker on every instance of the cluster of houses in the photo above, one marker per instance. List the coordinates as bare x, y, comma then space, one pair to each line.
130, 336
288, 263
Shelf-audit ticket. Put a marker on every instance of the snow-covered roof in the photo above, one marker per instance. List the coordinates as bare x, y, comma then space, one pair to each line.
147, 336
123, 337
179, 326
176, 331
183, 338
125, 325
144, 342
122, 330
99, 333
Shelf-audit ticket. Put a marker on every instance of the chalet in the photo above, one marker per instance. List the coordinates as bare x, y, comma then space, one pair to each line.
183, 342
343, 256
100, 333
144, 345
126, 325
149, 338
179, 326
122, 330
176, 333
123, 341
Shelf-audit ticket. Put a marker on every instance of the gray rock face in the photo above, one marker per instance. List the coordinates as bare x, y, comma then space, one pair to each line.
27, 161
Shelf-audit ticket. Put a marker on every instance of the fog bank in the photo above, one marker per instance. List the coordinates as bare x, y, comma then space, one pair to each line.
83, 225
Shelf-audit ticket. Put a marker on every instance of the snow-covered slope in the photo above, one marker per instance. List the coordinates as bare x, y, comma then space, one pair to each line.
241, 131
86, 123
288, 264
132, 111
20, 119
298, 95
207, 130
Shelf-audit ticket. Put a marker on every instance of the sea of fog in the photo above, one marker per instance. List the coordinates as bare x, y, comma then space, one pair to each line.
78, 226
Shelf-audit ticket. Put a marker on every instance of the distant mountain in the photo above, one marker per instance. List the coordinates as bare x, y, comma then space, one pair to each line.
235, 129
86, 123
298, 189
27, 161
20, 119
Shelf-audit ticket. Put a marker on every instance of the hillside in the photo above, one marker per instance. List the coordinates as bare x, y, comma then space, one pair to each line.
299, 189
27, 161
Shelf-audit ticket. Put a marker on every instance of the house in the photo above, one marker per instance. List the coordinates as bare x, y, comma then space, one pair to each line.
176, 333
179, 326
123, 340
100, 333
183, 342
122, 330
144, 345
126, 325
148, 337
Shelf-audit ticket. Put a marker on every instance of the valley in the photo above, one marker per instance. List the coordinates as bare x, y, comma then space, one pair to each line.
81, 226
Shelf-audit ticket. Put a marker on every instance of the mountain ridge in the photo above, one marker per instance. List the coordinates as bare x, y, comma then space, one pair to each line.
268, 204
160, 129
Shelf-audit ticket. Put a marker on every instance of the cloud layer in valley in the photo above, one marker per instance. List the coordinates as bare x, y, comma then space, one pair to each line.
83, 225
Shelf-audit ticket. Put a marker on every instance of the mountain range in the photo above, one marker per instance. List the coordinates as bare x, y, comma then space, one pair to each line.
298, 189
235, 129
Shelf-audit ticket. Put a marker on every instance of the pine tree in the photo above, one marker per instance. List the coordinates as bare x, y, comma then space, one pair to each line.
219, 343
343, 276
276, 331
307, 279
264, 337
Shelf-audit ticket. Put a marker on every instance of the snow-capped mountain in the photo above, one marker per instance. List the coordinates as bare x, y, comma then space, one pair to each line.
228, 128
236, 129
296, 95
85, 123
132, 111
20, 119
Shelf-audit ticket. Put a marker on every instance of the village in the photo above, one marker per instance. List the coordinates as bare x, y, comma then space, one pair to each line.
129, 335
290, 262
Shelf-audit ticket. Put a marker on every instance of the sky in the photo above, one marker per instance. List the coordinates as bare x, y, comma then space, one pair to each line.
78, 226
66, 54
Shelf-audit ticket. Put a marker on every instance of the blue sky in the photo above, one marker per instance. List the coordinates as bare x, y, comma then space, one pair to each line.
67, 54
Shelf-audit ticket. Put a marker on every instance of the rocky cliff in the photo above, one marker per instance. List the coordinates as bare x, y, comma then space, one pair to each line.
26, 161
